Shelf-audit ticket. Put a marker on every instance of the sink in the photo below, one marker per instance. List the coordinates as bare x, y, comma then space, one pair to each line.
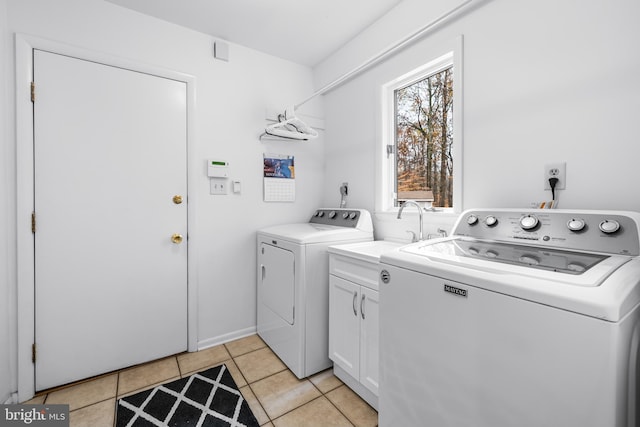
367, 251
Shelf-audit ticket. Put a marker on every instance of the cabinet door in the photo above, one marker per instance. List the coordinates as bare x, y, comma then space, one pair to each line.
369, 339
344, 324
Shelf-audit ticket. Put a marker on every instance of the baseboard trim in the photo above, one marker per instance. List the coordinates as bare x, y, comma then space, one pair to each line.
356, 386
12, 400
212, 342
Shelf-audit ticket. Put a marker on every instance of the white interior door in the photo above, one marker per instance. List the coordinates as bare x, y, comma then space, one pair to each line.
110, 155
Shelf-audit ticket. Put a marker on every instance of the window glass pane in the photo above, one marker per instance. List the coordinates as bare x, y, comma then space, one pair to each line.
424, 135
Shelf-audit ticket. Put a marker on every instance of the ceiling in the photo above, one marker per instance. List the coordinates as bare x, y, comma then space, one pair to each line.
302, 31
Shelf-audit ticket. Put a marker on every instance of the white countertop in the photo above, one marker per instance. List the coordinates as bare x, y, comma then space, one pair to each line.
366, 251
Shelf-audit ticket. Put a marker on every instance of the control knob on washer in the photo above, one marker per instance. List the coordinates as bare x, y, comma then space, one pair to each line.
472, 219
576, 224
529, 222
332, 214
609, 226
345, 215
491, 220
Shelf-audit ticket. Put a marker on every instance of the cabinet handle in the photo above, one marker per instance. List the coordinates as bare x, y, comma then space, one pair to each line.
362, 306
264, 272
355, 309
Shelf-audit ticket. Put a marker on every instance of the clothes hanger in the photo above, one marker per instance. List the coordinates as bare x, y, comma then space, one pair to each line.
290, 127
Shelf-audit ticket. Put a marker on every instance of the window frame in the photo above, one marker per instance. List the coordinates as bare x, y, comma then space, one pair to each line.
386, 167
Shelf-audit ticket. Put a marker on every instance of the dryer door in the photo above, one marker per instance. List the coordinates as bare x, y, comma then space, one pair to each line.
277, 280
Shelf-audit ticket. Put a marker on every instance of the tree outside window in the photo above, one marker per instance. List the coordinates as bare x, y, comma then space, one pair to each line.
424, 136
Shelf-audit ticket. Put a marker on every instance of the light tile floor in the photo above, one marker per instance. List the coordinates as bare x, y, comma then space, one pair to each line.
276, 397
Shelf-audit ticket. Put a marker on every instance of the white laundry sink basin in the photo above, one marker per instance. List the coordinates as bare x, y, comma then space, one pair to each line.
367, 251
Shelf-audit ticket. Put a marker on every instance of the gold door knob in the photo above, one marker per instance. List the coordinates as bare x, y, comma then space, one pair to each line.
177, 199
176, 238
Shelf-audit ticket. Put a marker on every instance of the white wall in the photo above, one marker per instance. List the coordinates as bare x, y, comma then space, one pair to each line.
544, 81
404, 19
7, 241
231, 100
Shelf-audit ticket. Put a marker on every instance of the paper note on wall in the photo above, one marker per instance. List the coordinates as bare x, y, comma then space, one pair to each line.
279, 178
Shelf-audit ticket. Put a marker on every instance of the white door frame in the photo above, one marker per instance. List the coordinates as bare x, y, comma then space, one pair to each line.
25, 184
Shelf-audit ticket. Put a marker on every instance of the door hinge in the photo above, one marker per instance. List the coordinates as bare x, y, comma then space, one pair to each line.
33, 222
33, 92
33, 353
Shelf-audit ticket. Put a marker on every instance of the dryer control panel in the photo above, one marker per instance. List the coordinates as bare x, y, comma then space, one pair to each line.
352, 218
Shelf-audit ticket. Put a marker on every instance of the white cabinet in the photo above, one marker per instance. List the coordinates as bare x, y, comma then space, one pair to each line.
369, 339
344, 325
353, 330
354, 323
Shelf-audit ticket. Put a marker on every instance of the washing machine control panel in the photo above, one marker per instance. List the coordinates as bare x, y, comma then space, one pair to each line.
611, 232
339, 217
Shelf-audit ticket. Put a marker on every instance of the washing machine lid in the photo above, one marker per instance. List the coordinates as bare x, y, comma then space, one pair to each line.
606, 287
306, 233
562, 267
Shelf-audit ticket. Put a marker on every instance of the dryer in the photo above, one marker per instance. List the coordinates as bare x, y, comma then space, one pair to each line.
293, 284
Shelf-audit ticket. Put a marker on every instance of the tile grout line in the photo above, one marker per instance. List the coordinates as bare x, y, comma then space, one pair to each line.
298, 407
251, 388
261, 406
306, 403
338, 409
293, 409
117, 373
179, 370
259, 403
331, 402
247, 381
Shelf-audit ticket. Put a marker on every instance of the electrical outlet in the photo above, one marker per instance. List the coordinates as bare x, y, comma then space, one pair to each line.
555, 170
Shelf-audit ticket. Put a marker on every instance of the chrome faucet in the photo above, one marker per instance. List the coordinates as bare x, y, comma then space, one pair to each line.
413, 202
441, 232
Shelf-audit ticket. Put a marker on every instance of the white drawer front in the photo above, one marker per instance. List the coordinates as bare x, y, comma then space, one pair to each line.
361, 272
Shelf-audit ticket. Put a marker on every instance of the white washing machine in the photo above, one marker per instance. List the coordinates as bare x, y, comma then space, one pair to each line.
293, 284
519, 318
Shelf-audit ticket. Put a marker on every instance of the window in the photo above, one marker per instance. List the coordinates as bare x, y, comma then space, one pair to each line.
421, 138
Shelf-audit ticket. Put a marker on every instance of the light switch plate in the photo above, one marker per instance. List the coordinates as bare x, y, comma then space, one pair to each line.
219, 186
